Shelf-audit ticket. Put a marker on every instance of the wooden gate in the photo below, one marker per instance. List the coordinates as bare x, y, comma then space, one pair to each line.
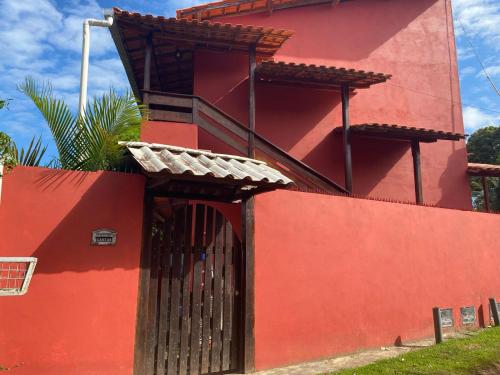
194, 311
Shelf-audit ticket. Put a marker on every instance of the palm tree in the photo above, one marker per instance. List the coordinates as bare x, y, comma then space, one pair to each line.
10, 155
89, 142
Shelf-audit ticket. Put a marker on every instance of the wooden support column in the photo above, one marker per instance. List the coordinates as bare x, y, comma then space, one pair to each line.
140, 349
251, 100
269, 7
147, 69
247, 233
417, 175
486, 193
347, 138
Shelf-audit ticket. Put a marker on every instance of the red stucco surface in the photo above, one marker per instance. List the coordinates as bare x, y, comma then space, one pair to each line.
78, 316
335, 274
412, 40
170, 133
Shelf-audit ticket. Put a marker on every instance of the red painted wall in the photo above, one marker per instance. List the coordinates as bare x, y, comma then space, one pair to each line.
412, 40
170, 133
363, 273
78, 316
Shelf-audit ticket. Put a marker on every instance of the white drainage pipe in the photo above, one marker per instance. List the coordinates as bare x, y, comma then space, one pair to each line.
108, 22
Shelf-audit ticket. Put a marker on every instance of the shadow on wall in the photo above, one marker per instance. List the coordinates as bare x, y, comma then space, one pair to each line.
296, 119
373, 160
454, 194
50, 214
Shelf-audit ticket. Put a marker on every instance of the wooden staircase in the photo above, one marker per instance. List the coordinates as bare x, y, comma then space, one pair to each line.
196, 110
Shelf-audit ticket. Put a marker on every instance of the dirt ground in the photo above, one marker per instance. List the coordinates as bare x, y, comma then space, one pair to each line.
352, 360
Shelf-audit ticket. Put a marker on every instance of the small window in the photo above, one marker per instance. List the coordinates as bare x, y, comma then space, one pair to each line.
15, 275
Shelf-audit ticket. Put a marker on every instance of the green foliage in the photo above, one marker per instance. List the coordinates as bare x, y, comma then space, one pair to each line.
89, 143
11, 156
472, 355
6, 150
4, 103
483, 146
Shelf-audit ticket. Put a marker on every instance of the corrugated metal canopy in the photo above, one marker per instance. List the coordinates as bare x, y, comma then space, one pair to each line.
317, 75
190, 171
401, 132
487, 170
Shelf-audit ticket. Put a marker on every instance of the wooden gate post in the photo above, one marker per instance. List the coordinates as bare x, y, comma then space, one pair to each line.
144, 276
247, 235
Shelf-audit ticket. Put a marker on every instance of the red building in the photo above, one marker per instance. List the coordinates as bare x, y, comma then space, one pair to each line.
271, 229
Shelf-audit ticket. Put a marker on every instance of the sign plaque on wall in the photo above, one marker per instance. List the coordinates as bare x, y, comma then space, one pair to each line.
103, 237
446, 317
468, 314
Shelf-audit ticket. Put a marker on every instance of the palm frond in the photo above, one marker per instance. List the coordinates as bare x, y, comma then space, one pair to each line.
59, 119
109, 119
32, 156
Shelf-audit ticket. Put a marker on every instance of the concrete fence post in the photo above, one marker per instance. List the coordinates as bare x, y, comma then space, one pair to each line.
438, 331
494, 311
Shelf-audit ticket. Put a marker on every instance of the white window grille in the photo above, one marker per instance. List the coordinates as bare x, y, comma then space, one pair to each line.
15, 275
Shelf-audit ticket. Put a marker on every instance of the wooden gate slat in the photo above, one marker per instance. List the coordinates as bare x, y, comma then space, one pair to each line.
186, 295
163, 318
194, 358
236, 354
228, 297
151, 331
217, 309
192, 313
173, 342
207, 292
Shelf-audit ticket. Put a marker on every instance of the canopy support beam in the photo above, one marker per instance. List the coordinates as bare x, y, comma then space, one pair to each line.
347, 138
147, 69
415, 152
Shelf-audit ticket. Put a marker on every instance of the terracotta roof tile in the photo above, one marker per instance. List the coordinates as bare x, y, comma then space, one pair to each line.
317, 74
402, 132
232, 7
478, 169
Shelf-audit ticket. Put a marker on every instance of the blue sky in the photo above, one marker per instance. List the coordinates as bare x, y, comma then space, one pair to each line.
42, 38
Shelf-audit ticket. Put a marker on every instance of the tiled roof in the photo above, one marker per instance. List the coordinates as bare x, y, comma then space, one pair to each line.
403, 132
158, 159
232, 7
478, 169
317, 74
209, 34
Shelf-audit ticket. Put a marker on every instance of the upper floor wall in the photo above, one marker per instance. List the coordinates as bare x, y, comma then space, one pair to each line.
412, 40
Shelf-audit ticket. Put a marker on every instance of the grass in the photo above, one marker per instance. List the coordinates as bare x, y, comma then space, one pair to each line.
477, 354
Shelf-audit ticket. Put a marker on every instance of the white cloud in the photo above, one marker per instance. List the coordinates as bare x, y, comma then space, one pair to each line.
480, 18
492, 71
467, 71
43, 40
475, 118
